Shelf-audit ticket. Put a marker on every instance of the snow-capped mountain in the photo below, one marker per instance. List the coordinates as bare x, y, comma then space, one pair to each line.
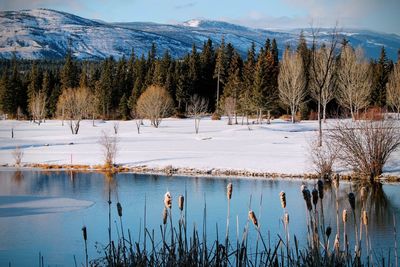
44, 33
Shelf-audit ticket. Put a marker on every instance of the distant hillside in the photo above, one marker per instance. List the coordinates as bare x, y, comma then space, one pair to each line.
44, 33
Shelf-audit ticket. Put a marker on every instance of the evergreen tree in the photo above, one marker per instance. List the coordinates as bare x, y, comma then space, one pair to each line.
275, 53
184, 85
381, 70
260, 83
35, 81
139, 84
104, 88
46, 89
69, 72
246, 94
207, 65
4, 90
232, 88
194, 70
119, 85
83, 79
219, 71
15, 94
123, 107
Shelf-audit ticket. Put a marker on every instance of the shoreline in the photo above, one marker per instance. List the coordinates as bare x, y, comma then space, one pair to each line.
192, 172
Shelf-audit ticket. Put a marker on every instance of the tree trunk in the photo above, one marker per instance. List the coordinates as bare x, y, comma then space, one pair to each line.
216, 108
319, 119
324, 113
293, 114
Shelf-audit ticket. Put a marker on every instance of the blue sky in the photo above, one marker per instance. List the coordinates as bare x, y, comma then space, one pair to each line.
379, 15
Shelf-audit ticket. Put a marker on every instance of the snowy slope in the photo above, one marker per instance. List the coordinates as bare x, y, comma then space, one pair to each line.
44, 33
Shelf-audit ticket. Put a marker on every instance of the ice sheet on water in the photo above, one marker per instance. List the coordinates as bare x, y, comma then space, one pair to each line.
11, 206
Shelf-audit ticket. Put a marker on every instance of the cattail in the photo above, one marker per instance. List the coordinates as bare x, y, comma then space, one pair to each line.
320, 189
167, 200
307, 197
303, 187
282, 196
337, 243
315, 196
165, 216
363, 193
229, 190
286, 218
119, 208
336, 181
253, 218
365, 217
352, 200
181, 200
328, 231
344, 216
84, 232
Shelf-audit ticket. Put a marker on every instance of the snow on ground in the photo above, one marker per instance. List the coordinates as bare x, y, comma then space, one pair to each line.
280, 147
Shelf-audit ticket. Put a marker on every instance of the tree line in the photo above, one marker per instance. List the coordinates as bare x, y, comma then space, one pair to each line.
330, 78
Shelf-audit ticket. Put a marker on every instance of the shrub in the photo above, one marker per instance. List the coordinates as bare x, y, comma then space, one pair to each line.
365, 145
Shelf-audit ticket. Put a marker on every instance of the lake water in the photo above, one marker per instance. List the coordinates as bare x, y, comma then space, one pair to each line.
43, 212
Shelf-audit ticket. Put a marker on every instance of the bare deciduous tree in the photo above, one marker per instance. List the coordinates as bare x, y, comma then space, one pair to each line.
354, 80
322, 66
110, 148
138, 120
37, 106
393, 89
154, 104
291, 81
197, 109
230, 108
17, 154
74, 105
116, 127
365, 146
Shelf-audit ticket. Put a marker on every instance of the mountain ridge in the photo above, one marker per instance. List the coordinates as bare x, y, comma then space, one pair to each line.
47, 33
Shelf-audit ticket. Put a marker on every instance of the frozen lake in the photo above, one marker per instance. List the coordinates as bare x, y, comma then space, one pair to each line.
43, 212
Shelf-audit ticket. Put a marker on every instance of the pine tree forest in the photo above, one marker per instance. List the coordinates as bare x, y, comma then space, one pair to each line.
242, 85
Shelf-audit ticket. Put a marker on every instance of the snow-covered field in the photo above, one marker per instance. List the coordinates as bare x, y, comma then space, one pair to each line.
280, 147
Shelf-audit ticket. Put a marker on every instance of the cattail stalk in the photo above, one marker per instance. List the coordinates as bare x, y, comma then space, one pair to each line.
119, 210
229, 189
395, 239
365, 223
84, 233
345, 242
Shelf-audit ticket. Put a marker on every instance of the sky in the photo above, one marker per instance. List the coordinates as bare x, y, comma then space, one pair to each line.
378, 15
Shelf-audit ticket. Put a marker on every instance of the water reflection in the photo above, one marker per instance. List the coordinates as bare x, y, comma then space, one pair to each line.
24, 239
